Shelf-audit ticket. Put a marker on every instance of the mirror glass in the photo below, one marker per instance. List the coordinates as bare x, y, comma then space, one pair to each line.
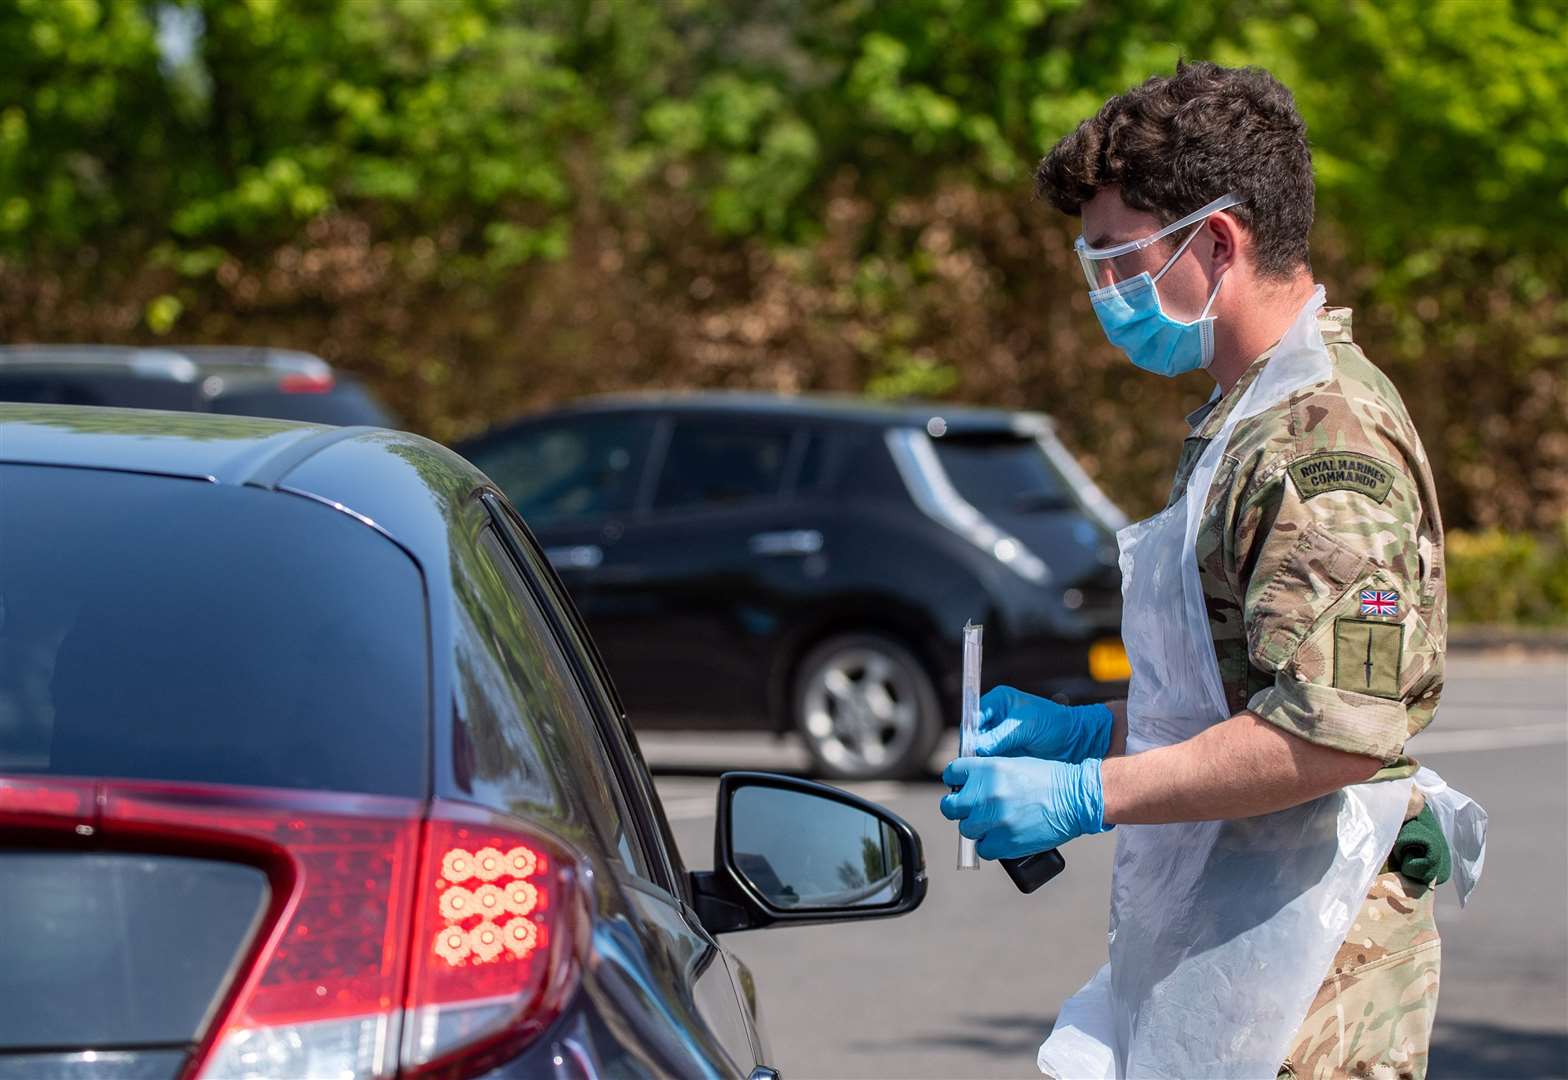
803, 851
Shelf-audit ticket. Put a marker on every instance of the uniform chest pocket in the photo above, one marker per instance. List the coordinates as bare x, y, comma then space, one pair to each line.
1290, 593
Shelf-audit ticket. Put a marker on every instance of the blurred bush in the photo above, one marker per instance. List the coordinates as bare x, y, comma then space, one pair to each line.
491, 205
1500, 577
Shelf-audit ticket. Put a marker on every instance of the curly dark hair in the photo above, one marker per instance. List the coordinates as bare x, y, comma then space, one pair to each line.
1178, 142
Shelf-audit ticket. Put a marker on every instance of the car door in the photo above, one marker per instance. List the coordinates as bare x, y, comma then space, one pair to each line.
687, 606
574, 477
699, 969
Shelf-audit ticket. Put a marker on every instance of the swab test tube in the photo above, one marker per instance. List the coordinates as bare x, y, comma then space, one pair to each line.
969, 724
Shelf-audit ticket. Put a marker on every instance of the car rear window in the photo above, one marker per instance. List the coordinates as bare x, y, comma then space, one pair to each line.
1003, 473
345, 405
96, 386
169, 629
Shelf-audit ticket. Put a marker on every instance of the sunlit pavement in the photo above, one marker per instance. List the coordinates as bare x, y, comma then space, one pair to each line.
967, 986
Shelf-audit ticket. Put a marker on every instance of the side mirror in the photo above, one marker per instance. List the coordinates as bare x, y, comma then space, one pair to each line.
795, 851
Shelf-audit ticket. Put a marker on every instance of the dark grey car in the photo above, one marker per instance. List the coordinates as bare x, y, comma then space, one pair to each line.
235, 380
308, 768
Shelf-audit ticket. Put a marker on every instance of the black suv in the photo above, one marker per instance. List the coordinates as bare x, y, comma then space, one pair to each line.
747, 561
231, 379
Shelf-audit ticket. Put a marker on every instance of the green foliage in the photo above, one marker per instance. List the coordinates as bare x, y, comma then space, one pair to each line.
487, 205
1499, 577
913, 377
1454, 135
163, 312
425, 114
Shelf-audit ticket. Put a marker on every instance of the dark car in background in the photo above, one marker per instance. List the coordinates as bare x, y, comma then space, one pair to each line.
808, 564
233, 380
308, 768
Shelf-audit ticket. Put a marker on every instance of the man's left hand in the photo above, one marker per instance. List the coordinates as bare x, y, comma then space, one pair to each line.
1016, 724
1018, 806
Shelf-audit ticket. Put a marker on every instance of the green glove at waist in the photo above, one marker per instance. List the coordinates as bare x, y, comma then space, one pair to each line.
1420, 852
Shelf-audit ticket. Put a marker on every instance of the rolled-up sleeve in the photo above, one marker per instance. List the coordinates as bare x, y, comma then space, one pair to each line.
1331, 717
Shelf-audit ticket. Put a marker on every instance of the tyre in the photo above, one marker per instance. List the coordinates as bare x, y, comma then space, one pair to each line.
866, 708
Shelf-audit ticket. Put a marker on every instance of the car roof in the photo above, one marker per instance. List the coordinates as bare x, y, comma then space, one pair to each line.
838, 408
176, 363
405, 486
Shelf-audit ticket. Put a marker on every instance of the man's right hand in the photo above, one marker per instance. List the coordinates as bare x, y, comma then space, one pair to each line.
1016, 724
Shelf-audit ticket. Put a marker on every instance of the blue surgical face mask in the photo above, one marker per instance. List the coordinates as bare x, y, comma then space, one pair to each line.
1133, 320
1129, 309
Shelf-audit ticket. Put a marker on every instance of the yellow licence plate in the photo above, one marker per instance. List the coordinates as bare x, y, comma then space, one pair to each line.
1108, 662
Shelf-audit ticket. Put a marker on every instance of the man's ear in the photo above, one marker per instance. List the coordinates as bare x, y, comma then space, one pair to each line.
1228, 236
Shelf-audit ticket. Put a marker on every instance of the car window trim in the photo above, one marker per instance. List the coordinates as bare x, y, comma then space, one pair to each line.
658, 454
795, 460
830, 442
604, 704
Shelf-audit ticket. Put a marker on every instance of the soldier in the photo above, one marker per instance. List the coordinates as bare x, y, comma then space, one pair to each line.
1285, 618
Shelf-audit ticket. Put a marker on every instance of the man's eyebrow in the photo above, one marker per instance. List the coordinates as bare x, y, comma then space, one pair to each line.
1101, 240
1112, 239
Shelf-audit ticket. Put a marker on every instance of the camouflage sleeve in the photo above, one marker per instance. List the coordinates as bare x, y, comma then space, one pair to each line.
1326, 550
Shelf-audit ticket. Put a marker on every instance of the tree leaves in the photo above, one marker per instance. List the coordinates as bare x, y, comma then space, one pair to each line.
491, 204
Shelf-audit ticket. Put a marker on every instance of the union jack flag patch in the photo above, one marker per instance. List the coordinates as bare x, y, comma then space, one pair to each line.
1379, 602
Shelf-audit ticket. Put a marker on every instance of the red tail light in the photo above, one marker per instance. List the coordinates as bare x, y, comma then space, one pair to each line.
306, 384
320, 994
50, 805
446, 942
492, 963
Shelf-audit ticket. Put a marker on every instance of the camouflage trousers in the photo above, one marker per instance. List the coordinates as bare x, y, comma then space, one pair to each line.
1372, 1017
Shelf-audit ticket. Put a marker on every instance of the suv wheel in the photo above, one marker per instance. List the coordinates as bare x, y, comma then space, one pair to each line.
866, 708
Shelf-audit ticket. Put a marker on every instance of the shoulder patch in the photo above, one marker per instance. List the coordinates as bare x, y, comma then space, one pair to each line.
1341, 470
1368, 656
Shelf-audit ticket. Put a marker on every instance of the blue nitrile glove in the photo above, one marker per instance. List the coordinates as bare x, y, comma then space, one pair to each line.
1018, 806
1016, 724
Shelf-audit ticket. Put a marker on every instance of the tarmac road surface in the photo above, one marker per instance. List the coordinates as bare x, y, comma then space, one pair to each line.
968, 985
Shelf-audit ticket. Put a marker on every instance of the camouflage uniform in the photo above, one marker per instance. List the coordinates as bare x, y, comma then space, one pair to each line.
1320, 553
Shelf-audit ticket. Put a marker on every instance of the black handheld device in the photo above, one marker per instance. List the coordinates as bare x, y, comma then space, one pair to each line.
1029, 872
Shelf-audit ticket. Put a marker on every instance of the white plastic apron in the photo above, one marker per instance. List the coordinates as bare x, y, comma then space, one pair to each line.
1220, 931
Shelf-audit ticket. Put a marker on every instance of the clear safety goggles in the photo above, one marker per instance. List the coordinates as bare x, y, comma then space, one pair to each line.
1118, 262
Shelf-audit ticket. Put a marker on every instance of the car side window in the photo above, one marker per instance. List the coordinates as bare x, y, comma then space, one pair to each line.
617, 742
721, 462
563, 470
548, 668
